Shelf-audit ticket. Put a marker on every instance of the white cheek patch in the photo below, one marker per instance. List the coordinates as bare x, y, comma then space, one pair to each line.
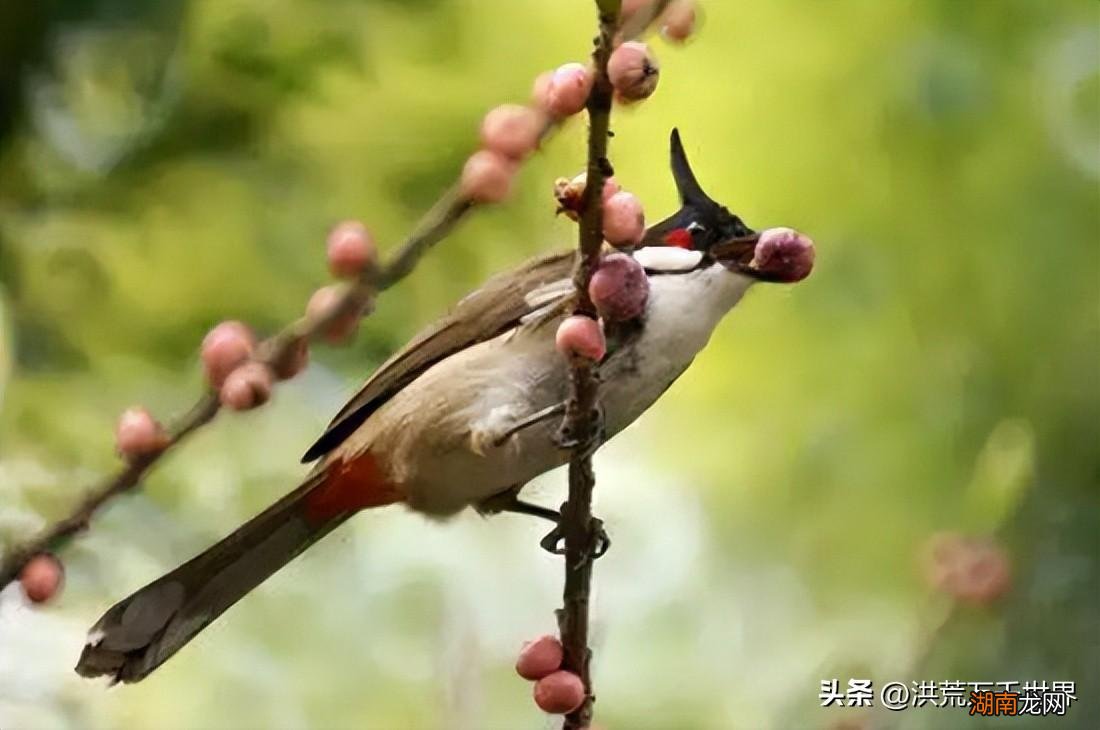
668, 258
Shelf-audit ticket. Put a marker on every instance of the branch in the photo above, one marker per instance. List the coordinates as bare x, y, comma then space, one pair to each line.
277, 349
581, 425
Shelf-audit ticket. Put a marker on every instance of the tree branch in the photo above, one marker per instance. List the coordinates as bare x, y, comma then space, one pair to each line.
279, 348
582, 423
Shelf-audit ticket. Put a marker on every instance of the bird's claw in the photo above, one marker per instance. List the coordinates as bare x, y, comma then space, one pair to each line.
554, 541
567, 441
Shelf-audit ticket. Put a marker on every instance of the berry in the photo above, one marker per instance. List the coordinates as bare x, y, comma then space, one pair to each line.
138, 434
247, 387
678, 20
582, 337
623, 219
619, 288
350, 249
487, 177
970, 569
41, 577
568, 92
539, 658
633, 71
559, 693
512, 130
224, 348
784, 253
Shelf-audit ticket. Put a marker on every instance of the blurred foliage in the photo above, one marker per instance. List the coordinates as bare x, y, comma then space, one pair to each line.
167, 165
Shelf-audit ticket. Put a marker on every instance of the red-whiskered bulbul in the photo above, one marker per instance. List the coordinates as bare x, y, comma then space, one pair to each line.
461, 417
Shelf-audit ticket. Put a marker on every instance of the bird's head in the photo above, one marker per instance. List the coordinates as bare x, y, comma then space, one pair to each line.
701, 224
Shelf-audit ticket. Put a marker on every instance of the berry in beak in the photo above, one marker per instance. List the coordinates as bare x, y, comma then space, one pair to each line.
781, 255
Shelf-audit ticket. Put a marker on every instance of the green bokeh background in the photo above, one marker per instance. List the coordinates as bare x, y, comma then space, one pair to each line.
167, 165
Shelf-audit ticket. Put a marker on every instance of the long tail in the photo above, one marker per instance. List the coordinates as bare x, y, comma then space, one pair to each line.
141, 632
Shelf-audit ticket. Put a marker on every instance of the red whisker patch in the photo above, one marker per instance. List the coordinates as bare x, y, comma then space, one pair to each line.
679, 237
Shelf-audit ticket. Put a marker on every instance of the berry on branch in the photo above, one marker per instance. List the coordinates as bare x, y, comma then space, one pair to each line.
633, 71
350, 249
224, 348
138, 434
582, 337
619, 288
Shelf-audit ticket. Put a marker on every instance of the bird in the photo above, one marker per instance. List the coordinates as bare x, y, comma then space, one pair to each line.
463, 415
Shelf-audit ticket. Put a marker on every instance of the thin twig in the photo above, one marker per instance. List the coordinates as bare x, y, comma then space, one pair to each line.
581, 425
279, 348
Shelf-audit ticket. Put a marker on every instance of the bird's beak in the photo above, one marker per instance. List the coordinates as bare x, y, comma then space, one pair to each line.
781, 255
737, 254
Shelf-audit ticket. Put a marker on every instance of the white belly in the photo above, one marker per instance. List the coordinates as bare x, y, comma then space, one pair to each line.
436, 436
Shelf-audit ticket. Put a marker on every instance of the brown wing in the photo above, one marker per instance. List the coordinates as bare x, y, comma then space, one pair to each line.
482, 315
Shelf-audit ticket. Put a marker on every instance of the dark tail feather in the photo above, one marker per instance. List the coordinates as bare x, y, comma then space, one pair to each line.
140, 633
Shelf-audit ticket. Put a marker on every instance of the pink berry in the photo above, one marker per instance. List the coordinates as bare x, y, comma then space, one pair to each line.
325, 300
559, 693
581, 336
784, 253
970, 569
539, 658
678, 20
623, 219
224, 348
487, 177
540, 90
633, 71
350, 249
138, 434
247, 387
619, 288
569, 89
986, 575
512, 130
41, 577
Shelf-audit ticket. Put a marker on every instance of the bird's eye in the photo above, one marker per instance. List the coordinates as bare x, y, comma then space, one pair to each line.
698, 233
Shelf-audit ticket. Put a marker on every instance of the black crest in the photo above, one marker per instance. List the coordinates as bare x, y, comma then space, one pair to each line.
700, 222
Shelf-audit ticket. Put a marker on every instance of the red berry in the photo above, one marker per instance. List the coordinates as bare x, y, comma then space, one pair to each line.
350, 249
539, 658
633, 71
623, 219
559, 693
512, 130
619, 288
247, 387
224, 348
487, 177
678, 20
41, 577
138, 433
581, 336
569, 87
784, 253
970, 569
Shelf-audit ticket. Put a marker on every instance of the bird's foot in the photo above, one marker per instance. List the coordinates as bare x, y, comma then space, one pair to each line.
554, 541
566, 440
509, 501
